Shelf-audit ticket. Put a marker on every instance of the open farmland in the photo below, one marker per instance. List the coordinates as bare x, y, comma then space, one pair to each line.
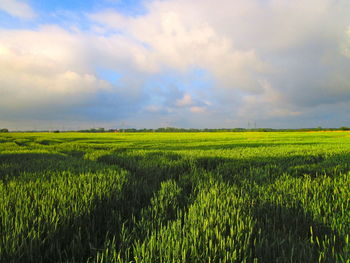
175, 197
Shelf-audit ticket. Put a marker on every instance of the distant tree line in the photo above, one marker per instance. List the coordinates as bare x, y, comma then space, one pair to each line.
97, 130
173, 129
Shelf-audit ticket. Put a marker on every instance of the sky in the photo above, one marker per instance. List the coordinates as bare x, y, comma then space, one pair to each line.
69, 64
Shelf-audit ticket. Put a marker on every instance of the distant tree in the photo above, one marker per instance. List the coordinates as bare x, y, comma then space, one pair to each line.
4, 130
344, 128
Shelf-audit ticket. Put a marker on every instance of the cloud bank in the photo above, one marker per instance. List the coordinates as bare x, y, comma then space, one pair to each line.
197, 63
17, 8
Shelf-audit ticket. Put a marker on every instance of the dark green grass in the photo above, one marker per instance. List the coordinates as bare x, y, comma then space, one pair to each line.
197, 197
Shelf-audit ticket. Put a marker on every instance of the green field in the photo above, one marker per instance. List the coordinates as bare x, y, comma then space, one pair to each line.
175, 197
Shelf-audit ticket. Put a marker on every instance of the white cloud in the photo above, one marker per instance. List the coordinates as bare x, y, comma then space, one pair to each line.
44, 68
241, 43
345, 47
153, 108
197, 109
179, 44
17, 8
186, 100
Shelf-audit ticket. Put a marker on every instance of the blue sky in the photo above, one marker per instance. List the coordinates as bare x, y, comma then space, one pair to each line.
184, 63
128, 7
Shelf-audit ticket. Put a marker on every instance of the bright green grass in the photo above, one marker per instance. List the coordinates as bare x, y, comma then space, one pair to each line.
175, 197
